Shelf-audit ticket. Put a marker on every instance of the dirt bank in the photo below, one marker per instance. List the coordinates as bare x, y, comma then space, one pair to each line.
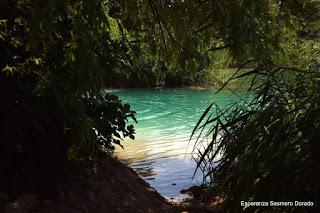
107, 186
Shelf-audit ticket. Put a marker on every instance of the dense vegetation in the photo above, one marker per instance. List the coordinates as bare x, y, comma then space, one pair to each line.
268, 148
57, 56
174, 43
54, 56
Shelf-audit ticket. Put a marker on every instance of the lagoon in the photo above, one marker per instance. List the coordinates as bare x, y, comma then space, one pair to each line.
161, 153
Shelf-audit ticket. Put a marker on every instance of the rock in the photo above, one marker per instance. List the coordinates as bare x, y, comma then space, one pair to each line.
150, 189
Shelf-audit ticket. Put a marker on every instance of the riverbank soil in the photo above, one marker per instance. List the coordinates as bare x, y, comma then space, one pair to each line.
107, 186
202, 200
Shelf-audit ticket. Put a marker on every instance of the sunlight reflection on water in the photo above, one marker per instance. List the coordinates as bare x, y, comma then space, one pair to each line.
166, 118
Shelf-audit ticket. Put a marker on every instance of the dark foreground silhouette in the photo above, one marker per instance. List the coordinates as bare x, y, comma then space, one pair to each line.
107, 186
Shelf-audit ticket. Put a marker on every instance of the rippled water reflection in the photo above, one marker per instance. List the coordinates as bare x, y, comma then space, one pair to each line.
166, 118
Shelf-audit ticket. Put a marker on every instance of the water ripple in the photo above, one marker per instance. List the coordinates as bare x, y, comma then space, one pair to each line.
166, 118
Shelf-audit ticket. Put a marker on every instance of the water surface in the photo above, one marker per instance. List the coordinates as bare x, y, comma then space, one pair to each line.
166, 117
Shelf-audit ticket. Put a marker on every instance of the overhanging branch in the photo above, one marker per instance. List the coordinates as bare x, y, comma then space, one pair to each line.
220, 47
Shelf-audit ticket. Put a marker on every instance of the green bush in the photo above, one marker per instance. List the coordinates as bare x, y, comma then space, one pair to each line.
54, 56
110, 119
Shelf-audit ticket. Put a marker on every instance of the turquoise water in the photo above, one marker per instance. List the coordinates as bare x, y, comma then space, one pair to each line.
166, 117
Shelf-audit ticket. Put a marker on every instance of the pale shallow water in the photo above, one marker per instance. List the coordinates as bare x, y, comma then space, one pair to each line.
166, 118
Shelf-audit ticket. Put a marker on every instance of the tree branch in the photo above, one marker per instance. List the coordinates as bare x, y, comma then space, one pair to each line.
220, 47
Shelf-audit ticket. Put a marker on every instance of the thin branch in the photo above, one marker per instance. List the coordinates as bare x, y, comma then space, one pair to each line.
205, 27
220, 47
234, 74
157, 17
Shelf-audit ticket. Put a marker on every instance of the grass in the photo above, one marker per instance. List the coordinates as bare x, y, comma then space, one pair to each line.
268, 149
219, 77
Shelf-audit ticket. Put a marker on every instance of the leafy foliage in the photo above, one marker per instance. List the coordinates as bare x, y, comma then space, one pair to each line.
267, 149
110, 117
54, 60
57, 56
174, 43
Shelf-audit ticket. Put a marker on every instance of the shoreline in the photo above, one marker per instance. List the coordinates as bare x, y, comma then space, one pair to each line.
103, 186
